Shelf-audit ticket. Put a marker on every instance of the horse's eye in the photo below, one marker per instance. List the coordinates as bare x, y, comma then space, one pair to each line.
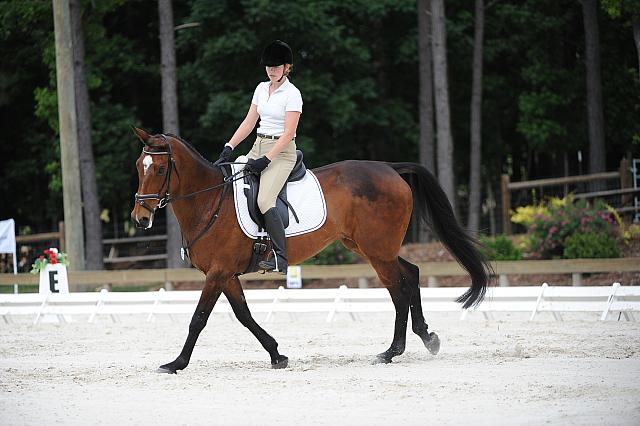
160, 170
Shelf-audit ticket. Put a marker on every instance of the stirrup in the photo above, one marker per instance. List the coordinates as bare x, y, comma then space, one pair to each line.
272, 265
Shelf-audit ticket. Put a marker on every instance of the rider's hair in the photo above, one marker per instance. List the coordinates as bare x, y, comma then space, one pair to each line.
286, 73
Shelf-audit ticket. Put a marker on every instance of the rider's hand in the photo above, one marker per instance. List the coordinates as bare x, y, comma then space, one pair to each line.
225, 154
257, 165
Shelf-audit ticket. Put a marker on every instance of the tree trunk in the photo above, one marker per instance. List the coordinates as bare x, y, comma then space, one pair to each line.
69, 156
443, 120
427, 145
636, 38
169, 117
90, 201
595, 118
475, 188
427, 140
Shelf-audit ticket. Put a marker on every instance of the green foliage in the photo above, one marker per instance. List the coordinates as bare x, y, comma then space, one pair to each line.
356, 63
619, 8
334, 254
49, 256
499, 248
550, 231
341, 66
590, 245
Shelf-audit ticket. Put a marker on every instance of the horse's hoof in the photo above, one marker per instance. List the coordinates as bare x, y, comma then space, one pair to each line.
382, 359
165, 369
281, 362
433, 344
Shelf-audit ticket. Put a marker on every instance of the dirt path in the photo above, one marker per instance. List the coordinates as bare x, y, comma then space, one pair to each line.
509, 372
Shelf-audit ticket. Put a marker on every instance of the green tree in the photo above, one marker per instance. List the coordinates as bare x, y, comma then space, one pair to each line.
356, 64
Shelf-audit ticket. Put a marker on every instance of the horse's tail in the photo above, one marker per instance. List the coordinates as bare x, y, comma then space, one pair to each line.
433, 206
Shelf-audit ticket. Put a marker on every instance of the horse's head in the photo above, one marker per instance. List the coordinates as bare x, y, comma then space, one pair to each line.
155, 167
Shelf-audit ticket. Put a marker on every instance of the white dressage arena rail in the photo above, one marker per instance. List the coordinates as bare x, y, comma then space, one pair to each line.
603, 300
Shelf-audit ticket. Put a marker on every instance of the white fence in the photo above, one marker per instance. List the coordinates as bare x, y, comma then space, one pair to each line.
606, 300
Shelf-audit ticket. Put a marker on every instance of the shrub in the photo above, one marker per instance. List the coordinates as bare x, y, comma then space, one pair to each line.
590, 245
550, 229
525, 215
334, 254
499, 248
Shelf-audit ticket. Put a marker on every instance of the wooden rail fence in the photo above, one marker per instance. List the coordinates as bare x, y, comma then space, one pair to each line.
431, 270
623, 174
113, 244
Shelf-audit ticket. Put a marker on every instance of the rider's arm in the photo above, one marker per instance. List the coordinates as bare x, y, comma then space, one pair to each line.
291, 119
246, 127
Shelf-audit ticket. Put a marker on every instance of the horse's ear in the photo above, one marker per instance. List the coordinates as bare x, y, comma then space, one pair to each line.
141, 134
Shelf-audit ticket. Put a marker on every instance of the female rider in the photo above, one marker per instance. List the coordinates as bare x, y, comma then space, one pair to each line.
278, 105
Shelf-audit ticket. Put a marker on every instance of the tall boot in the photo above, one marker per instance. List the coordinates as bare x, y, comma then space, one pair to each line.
275, 229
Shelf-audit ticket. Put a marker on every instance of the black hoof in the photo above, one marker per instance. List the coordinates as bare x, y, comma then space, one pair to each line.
165, 369
433, 344
281, 362
382, 359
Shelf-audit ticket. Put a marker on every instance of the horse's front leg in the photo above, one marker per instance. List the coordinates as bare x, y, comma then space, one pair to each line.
208, 298
235, 296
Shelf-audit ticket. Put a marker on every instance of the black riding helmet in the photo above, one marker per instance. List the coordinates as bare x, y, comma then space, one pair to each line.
275, 54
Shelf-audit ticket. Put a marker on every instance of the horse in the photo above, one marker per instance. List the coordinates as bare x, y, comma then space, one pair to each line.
369, 205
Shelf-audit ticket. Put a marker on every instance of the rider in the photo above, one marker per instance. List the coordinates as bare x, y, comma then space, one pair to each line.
278, 105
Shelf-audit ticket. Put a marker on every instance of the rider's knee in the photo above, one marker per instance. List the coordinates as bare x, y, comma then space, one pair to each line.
265, 203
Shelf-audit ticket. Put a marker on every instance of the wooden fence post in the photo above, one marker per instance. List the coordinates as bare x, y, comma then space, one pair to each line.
61, 231
506, 205
625, 179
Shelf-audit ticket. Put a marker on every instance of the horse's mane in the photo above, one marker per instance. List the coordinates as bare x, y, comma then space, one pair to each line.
191, 148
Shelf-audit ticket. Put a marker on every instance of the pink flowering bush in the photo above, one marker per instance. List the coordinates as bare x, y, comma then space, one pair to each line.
550, 230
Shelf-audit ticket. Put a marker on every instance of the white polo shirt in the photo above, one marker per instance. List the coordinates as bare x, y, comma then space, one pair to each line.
272, 108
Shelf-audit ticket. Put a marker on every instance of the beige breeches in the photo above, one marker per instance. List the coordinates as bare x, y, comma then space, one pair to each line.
275, 175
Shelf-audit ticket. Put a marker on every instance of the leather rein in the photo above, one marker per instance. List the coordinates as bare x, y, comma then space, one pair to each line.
167, 198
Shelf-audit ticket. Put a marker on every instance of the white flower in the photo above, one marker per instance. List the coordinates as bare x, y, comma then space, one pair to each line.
53, 249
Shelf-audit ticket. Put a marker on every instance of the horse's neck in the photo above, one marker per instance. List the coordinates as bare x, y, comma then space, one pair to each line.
194, 212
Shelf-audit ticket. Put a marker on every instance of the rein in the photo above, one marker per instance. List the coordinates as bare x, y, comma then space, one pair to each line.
164, 201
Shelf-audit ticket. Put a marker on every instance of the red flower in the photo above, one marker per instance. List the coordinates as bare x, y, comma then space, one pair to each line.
54, 261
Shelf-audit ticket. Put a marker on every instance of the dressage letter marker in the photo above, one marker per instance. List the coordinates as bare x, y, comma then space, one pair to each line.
53, 279
53, 282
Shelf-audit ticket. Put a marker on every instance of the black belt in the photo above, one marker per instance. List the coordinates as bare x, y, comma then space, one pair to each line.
260, 135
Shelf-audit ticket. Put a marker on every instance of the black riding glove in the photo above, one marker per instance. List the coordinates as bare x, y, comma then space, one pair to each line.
258, 165
224, 155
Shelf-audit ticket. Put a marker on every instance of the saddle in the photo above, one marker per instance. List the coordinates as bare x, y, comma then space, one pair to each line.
262, 246
282, 205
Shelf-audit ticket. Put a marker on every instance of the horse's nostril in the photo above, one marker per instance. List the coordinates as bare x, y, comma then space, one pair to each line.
143, 222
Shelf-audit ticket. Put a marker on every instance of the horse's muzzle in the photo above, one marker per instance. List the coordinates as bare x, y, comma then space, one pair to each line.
142, 222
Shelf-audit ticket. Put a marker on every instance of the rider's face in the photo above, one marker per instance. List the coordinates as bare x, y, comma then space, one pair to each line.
275, 73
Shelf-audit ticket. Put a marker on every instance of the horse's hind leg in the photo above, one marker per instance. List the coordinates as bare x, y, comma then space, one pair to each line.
393, 279
418, 324
208, 298
236, 298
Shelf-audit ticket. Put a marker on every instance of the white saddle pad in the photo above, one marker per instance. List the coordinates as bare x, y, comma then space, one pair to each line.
305, 196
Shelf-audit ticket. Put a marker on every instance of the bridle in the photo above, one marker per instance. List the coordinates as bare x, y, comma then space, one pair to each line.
167, 198
163, 201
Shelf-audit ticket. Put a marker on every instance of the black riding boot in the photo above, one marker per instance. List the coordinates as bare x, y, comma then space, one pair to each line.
275, 229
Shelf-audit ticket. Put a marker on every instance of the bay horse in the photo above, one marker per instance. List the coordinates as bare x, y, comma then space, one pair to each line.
369, 205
